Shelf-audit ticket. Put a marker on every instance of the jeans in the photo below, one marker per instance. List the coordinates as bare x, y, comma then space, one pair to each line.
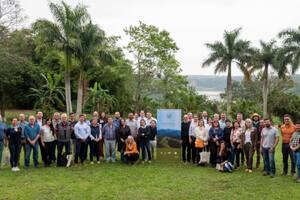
145, 146
153, 144
81, 149
1, 150
297, 161
248, 149
110, 151
15, 150
286, 152
186, 150
237, 154
94, 150
269, 161
49, 151
35, 149
60, 147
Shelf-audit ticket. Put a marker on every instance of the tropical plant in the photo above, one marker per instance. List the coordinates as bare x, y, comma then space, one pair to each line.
100, 99
224, 54
63, 34
50, 95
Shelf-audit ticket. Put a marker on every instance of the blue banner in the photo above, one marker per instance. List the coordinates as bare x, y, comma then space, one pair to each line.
169, 122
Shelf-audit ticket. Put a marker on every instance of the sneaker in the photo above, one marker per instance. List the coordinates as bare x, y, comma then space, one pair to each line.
13, 169
98, 162
265, 174
92, 162
250, 170
17, 169
149, 161
246, 170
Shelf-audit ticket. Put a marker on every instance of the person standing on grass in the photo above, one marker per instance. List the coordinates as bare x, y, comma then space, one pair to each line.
109, 133
47, 138
214, 139
287, 130
269, 141
22, 123
14, 135
82, 132
131, 153
40, 122
94, 143
2, 137
295, 147
185, 144
235, 139
152, 137
256, 123
122, 133
192, 137
201, 139
241, 121
149, 119
144, 138
142, 116
103, 121
248, 142
63, 135
225, 146
72, 122
32, 134
205, 117
131, 122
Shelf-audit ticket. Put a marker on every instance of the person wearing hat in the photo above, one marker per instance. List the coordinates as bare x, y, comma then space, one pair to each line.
295, 147
256, 124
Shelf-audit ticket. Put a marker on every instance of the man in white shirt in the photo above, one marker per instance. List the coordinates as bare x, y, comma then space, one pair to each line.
192, 137
142, 116
205, 117
82, 132
149, 118
222, 121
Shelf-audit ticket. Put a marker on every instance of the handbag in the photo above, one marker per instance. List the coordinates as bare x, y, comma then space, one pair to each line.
199, 143
204, 157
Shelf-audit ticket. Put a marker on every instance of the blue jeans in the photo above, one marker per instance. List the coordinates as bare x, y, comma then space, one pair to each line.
297, 161
145, 146
35, 149
110, 152
269, 161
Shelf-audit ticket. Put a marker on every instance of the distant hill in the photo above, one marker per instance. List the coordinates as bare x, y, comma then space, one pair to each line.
210, 83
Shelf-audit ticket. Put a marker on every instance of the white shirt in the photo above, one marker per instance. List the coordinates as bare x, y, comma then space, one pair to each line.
148, 121
201, 133
47, 134
192, 127
82, 131
248, 136
139, 120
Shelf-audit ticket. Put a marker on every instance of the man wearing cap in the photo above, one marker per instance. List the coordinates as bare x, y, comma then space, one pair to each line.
256, 124
287, 130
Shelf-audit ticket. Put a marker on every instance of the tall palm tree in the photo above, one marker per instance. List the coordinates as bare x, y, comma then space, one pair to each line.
91, 37
231, 50
265, 58
63, 34
290, 52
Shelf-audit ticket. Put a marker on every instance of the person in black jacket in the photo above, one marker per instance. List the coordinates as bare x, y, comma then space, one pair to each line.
185, 144
153, 143
144, 138
122, 133
14, 136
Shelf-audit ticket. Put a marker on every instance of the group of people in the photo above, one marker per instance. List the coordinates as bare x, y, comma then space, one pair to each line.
235, 142
62, 139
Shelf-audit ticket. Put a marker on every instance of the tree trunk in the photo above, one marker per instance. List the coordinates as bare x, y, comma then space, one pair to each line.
138, 89
80, 94
68, 83
265, 91
2, 106
229, 90
85, 89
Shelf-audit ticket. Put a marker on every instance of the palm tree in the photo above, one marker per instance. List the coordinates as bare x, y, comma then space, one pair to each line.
290, 52
91, 38
265, 58
63, 34
225, 54
50, 95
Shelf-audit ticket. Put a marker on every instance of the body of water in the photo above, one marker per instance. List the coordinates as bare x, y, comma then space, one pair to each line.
212, 95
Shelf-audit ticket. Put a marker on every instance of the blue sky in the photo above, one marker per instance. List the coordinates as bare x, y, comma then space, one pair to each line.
192, 23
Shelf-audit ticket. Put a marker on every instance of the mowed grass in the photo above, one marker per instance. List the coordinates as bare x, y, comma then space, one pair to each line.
158, 180
162, 179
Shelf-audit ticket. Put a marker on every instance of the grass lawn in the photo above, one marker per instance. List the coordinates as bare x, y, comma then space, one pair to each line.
159, 180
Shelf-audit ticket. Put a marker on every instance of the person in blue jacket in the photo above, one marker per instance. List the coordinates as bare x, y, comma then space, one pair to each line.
214, 139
